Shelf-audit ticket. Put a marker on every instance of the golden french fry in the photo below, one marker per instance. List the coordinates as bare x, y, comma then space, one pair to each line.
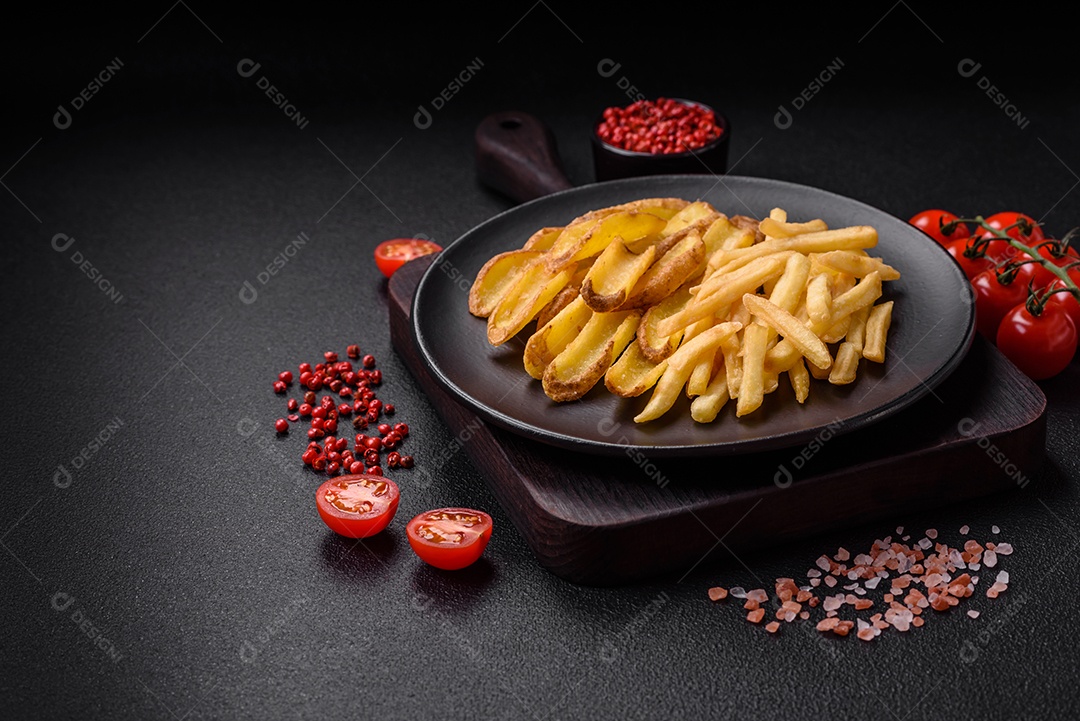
752, 386
836, 333
819, 373
613, 275
730, 348
850, 238
532, 291
855, 264
553, 337
743, 281
856, 334
819, 300
706, 406
496, 277
780, 228
877, 328
678, 369
633, 374
702, 373
789, 289
846, 364
800, 380
865, 292
587, 357
791, 329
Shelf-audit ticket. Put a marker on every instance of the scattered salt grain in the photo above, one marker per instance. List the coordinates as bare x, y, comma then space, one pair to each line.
737, 592
823, 563
973, 613
990, 559
830, 581
931, 533
1002, 577
1003, 549
899, 530
842, 554
813, 573
995, 530
964, 530
873, 582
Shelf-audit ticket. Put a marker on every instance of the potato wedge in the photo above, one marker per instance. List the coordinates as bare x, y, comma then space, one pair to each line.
613, 275
668, 273
496, 277
542, 239
532, 291
589, 355
654, 346
551, 338
633, 374
578, 243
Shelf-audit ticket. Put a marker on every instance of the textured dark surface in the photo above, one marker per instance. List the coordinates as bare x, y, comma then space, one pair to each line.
195, 550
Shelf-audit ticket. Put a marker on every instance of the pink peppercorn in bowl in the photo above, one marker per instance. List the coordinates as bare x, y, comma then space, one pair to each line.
665, 136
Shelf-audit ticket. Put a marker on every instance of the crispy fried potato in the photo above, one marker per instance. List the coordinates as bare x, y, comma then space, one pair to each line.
678, 369
788, 326
633, 374
819, 300
613, 275
846, 364
800, 380
532, 291
877, 329
668, 273
496, 277
581, 242
552, 337
855, 264
752, 386
654, 346
851, 238
706, 406
542, 239
587, 357
776, 228
692, 214
736, 284
562, 299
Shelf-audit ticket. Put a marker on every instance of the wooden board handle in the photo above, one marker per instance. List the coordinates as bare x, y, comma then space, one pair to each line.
516, 155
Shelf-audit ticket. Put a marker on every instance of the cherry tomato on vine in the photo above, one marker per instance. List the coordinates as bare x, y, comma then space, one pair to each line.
994, 299
449, 538
971, 266
931, 222
392, 254
1000, 221
1067, 301
1041, 346
1068, 257
357, 506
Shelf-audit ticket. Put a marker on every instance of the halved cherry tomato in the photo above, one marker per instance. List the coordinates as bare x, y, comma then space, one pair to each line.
931, 222
1040, 346
392, 254
449, 538
357, 506
994, 299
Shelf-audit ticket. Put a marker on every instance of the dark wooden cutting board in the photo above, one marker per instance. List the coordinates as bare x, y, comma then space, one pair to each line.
602, 520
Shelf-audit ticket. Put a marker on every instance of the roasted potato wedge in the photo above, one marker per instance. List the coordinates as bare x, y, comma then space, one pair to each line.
496, 277
589, 355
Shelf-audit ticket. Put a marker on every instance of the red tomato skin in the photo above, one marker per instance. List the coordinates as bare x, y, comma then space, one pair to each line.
930, 222
396, 252
971, 266
1067, 301
1000, 221
993, 300
445, 556
357, 525
1040, 346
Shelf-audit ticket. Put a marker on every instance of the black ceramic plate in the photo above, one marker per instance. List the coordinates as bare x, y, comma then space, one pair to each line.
932, 329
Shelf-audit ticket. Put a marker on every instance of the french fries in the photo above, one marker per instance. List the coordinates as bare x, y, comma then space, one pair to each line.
674, 296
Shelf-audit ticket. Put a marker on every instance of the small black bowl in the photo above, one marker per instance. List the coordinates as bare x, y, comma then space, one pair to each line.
611, 162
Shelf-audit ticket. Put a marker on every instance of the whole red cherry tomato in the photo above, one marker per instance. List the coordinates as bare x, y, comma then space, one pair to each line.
1067, 301
1000, 221
994, 299
931, 222
1041, 346
971, 266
